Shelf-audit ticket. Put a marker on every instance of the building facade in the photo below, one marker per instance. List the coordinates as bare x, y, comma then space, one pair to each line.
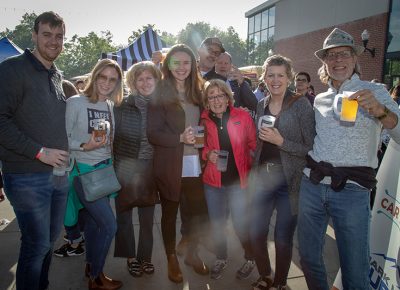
300, 27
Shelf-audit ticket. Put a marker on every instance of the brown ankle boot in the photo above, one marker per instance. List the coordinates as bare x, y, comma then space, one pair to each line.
174, 271
192, 259
108, 281
181, 248
104, 283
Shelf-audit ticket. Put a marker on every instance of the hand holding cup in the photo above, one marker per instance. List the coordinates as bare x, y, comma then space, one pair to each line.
187, 136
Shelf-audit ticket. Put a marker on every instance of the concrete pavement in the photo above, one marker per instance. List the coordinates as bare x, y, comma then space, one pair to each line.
68, 273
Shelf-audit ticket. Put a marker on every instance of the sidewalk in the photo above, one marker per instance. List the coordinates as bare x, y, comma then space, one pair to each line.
67, 273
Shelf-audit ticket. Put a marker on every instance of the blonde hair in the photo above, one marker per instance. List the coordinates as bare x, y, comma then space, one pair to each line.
136, 70
278, 60
222, 86
90, 90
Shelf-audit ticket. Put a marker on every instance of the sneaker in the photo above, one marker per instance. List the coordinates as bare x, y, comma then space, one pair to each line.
216, 271
135, 268
262, 283
246, 269
67, 250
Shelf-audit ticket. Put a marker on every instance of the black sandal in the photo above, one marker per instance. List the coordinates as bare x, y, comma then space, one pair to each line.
147, 267
135, 268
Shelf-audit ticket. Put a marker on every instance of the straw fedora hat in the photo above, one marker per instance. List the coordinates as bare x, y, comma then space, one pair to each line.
338, 38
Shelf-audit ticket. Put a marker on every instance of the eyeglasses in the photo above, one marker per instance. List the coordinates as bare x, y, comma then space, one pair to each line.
344, 54
301, 80
214, 98
102, 79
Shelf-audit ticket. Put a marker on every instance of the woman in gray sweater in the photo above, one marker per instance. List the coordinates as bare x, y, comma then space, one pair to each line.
284, 138
91, 152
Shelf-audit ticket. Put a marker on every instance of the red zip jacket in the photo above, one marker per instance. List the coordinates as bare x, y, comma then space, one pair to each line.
242, 134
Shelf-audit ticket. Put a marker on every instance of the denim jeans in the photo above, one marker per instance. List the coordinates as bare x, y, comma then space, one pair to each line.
74, 233
100, 229
220, 202
350, 213
38, 200
125, 245
270, 192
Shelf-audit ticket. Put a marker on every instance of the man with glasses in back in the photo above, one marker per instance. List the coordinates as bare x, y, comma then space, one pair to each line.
340, 168
33, 140
302, 83
209, 51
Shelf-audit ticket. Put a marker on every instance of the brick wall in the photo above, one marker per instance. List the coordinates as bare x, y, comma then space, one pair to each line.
300, 49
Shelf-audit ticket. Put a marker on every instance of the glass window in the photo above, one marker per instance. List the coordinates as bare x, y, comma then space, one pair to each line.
264, 35
394, 28
264, 19
251, 25
257, 38
271, 32
271, 16
257, 22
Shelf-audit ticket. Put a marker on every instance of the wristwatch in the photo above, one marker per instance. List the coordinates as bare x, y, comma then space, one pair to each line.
81, 147
384, 115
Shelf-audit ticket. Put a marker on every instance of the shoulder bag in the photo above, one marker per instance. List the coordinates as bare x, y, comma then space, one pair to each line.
99, 182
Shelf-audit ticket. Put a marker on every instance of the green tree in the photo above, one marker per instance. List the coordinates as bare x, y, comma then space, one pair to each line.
21, 35
168, 38
257, 54
194, 33
82, 53
235, 46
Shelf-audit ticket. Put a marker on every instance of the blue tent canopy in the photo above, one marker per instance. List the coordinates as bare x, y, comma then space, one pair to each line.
8, 48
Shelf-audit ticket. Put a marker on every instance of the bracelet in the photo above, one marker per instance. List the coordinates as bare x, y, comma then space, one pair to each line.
81, 147
39, 153
384, 115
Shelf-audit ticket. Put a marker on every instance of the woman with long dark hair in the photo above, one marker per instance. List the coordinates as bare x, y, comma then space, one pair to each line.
172, 113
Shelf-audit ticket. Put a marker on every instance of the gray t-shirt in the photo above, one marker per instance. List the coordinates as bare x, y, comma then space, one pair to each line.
80, 118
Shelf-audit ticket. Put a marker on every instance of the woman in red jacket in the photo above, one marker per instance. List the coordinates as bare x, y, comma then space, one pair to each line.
232, 130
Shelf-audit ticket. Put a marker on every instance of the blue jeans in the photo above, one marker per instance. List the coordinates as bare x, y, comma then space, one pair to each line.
74, 233
350, 213
270, 192
38, 200
100, 229
221, 201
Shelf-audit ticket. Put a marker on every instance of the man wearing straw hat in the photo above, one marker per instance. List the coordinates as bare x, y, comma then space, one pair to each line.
340, 167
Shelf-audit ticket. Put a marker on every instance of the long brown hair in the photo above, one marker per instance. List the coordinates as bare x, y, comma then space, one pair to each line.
193, 83
90, 90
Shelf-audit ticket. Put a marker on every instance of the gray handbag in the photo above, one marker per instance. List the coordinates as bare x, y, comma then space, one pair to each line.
99, 182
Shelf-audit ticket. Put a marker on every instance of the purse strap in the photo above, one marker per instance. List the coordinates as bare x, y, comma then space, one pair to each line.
111, 131
111, 139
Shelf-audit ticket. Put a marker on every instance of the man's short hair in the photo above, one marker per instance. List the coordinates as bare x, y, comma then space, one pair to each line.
50, 17
304, 74
213, 40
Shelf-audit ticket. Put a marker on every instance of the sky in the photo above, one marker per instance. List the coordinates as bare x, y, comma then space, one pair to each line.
121, 17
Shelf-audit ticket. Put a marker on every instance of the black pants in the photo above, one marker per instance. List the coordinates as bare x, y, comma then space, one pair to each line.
197, 216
